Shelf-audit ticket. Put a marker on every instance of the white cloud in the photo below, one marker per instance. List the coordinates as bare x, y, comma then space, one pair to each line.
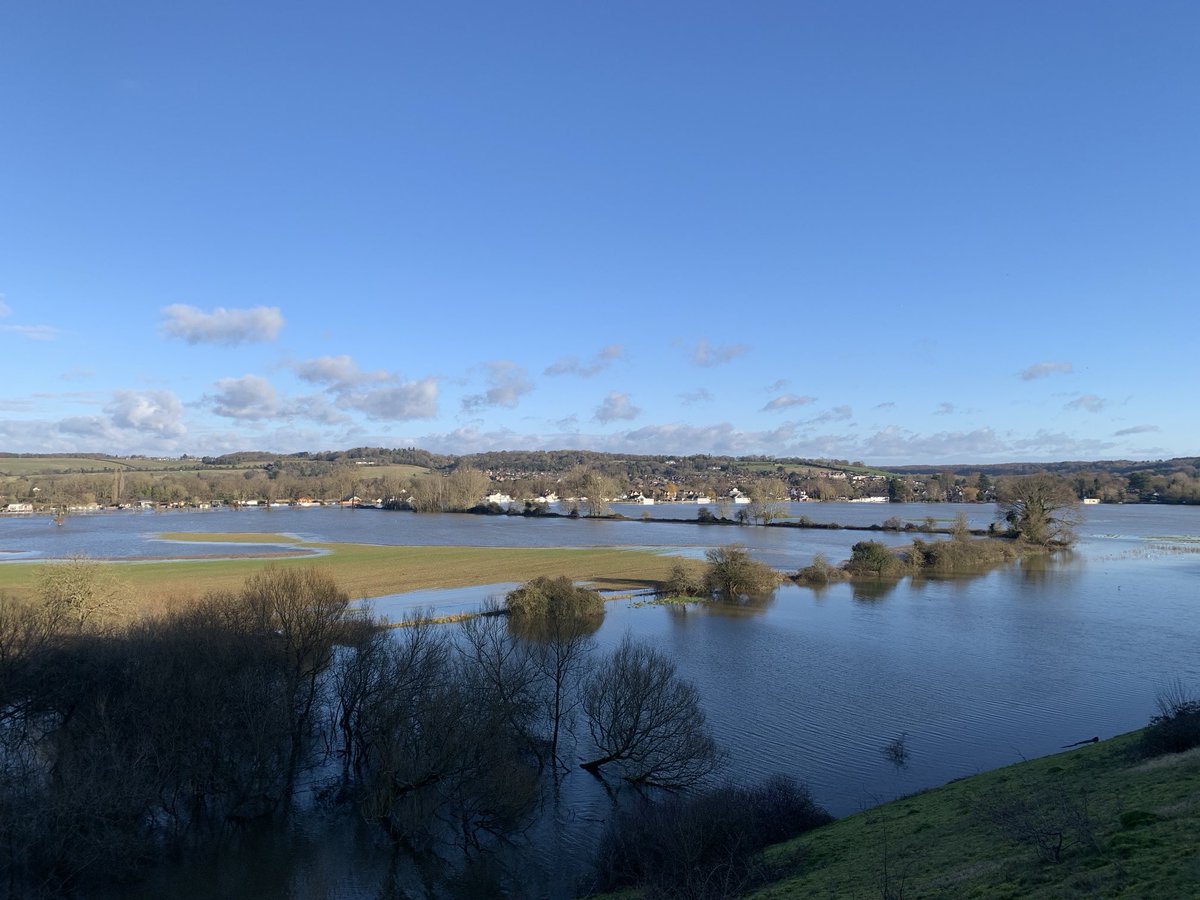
227, 327
337, 372
570, 365
616, 407
836, 414
5, 309
249, 398
886, 404
778, 385
153, 412
1045, 369
401, 402
787, 401
508, 384
944, 409
317, 408
1136, 429
691, 398
32, 332
1088, 402
709, 355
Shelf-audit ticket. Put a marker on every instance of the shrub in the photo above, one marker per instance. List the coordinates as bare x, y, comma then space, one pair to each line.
681, 583
1049, 820
820, 572
704, 845
732, 574
560, 597
893, 524
873, 558
1176, 727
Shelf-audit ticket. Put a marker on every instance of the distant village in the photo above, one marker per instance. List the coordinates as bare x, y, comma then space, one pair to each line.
526, 481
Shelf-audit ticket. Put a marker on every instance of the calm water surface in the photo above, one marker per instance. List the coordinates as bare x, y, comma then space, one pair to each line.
977, 672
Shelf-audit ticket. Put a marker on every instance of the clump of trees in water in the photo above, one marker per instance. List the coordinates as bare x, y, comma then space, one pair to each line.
121, 745
1038, 517
731, 575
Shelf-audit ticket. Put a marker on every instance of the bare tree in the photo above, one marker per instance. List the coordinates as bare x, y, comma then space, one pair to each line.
1042, 509
768, 500
307, 610
648, 720
82, 590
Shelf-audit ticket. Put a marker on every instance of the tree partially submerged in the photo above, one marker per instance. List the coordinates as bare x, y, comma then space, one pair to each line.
647, 721
559, 598
733, 574
1039, 509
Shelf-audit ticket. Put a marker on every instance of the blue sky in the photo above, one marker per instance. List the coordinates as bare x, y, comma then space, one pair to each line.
897, 232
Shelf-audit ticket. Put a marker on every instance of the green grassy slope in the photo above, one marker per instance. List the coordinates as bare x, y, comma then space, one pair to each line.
1132, 829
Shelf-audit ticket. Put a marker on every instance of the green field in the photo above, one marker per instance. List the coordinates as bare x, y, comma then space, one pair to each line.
1137, 823
806, 469
51, 465
398, 470
365, 570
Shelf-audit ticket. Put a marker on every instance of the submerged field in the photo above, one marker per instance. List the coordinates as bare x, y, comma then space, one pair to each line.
362, 570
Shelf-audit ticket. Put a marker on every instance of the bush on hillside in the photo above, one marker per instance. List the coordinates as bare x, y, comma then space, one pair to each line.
705, 845
1176, 726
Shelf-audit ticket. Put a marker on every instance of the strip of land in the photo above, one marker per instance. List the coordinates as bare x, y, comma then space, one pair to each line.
366, 570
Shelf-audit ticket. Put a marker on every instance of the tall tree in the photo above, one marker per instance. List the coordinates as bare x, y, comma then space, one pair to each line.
1041, 509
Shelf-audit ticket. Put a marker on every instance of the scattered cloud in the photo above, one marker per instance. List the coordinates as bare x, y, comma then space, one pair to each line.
337, 373
1089, 402
709, 355
570, 365
777, 385
154, 412
569, 423
226, 327
887, 404
691, 398
400, 402
32, 332
317, 408
787, 401
837, 414
249, 398
1136, 429
1045, 369
508, 384
91, 427
616, 407
944, 409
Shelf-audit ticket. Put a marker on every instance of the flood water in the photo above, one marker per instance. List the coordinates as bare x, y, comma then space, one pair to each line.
976, 672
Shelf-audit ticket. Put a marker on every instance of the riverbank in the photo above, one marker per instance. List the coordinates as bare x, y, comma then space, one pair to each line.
364, 570
1128, 824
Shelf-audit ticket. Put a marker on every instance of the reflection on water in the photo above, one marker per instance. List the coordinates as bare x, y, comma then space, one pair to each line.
871, 589
977, 673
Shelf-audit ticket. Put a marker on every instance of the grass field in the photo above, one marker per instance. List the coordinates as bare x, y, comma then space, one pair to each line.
48, 465
403, 472
1138, 821
367, 570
